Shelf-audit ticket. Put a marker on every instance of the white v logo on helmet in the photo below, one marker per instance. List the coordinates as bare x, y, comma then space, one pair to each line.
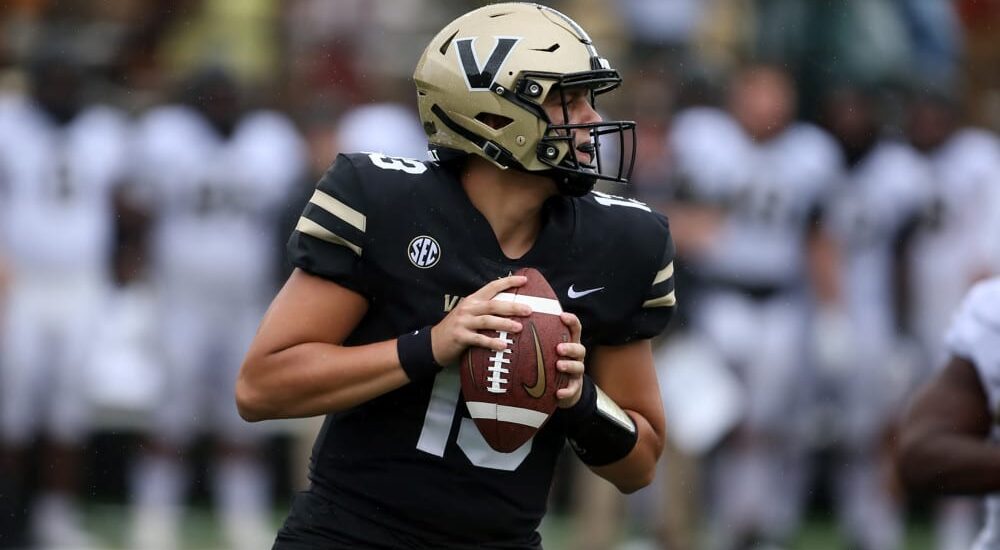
479, 77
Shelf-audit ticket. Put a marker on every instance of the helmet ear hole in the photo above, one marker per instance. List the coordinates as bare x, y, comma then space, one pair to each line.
495, 121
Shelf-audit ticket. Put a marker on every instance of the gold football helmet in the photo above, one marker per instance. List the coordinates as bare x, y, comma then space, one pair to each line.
482, 81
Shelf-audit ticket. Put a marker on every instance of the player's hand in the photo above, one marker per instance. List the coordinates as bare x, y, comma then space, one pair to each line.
570, 363
478, 311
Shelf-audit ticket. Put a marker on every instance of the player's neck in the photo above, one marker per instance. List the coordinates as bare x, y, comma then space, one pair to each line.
510, 200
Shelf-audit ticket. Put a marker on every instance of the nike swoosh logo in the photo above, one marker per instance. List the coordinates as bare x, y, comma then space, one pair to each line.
573, 293
537, 390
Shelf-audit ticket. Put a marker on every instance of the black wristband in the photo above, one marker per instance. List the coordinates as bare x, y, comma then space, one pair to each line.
598, 429
583, 408
416, 355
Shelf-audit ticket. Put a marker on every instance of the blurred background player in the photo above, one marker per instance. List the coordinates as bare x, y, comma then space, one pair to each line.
59, 172
218, 175
754, 183
948, 439
947, 253
862, 381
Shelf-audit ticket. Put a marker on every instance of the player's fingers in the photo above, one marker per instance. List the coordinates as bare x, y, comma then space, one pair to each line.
572, 388
483, 341
494, 322
572, 350
574, 368
503, 308
497, 286
572, 322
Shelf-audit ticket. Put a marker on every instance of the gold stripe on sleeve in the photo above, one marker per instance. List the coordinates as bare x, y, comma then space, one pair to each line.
667, 300
314, 229
339, 209
664, 274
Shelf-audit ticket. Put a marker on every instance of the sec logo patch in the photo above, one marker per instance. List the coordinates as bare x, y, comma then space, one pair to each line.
424, 252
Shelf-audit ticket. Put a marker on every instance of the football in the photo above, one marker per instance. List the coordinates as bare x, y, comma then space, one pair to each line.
512, 393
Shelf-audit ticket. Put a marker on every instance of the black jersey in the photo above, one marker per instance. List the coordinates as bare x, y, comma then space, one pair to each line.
404, 234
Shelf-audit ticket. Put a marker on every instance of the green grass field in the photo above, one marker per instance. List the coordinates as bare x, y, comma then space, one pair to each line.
107, 517
108, 523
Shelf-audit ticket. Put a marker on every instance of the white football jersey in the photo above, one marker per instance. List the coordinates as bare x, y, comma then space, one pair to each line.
698, 140
216, 197
948, 251
384, 128
975, 335
887, 190
770, 190
55, 188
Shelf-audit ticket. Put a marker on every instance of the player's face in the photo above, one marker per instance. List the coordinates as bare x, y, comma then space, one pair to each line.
929, 124
849, 116
578, 110
56, 87
763, 101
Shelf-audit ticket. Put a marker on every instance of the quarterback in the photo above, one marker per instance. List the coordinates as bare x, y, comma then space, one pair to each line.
396, 263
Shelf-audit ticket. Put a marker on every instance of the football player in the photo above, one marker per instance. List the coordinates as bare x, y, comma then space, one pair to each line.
216, 174
947, 255
862, 385
948, 438
751, 184
397, 261
61, 161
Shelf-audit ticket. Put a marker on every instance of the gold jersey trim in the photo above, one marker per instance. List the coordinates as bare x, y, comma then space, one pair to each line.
664, 274
339, 209
314, 229
667, 300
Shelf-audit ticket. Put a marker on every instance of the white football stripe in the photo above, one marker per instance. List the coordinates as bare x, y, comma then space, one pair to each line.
506, 413
538, 305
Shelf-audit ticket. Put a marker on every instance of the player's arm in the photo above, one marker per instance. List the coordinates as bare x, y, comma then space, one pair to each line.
297, 365
613, 414
622, 449
943, 442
